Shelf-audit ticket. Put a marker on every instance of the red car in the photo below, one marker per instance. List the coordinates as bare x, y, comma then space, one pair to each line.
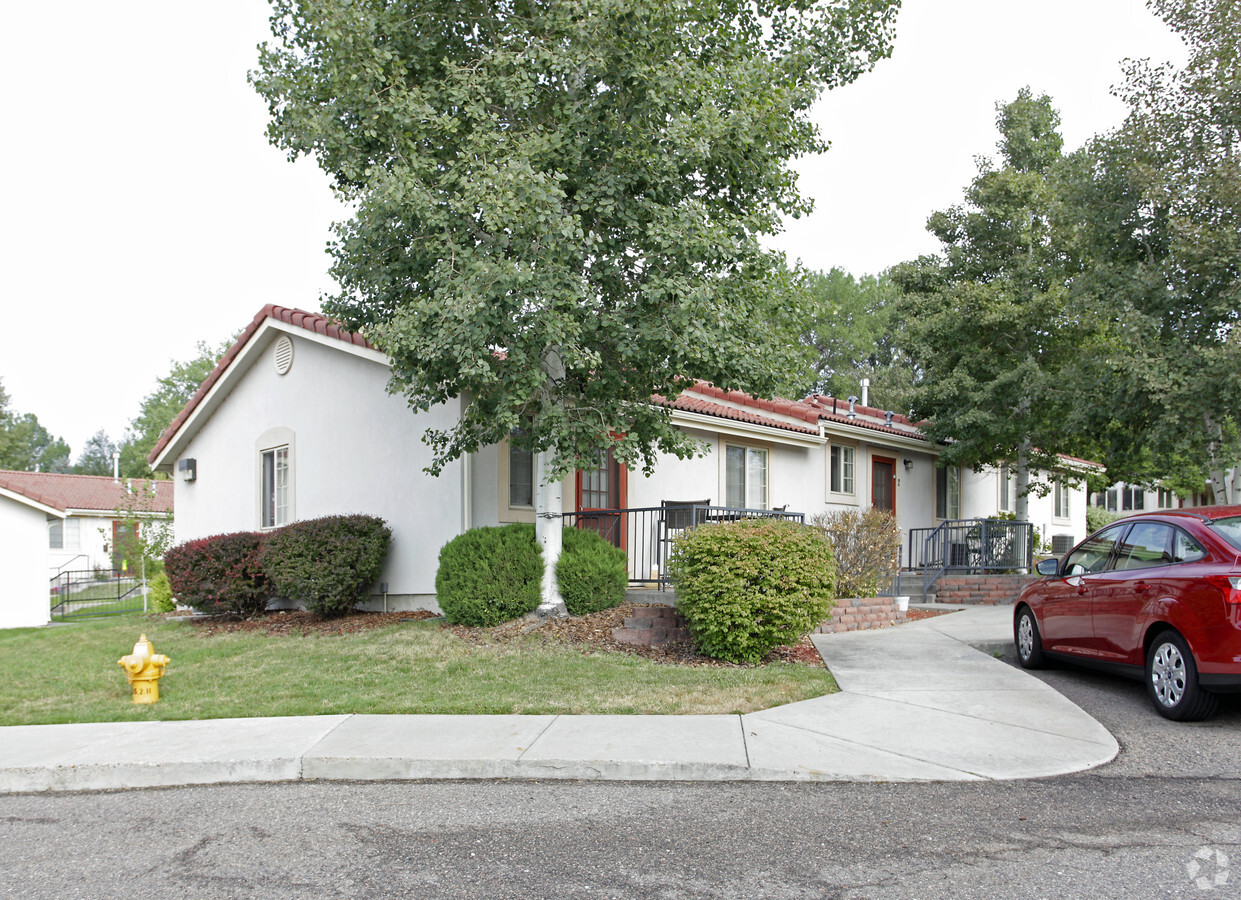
1155, 597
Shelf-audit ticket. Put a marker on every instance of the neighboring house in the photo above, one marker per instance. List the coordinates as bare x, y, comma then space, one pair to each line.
1130, 500
56, 523
295, 422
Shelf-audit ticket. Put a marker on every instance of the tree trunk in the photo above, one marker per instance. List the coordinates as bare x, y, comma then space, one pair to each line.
548, 506
1023, 484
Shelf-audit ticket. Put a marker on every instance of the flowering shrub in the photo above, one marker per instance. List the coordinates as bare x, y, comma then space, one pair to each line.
489, 575
866, 546
219, 574
748, 587
592, 573
326, 564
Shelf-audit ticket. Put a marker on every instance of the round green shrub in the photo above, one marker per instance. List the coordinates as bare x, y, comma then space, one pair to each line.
592, 573
160, 596
490, 575
750, 586
326, 564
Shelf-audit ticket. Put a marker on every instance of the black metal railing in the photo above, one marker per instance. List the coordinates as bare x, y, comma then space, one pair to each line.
646, 533
89, 593
971, 545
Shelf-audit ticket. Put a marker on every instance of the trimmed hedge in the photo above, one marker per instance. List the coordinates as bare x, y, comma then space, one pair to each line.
490, 575
326, 564
750, 586
220, 574
592, 573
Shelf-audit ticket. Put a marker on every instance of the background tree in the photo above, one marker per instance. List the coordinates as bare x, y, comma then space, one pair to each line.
1156, 209
990, 324
854, 332
559, 204
161, 406
96, 456
25, 445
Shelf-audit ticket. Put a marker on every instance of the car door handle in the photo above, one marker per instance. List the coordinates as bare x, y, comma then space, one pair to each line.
1082, 589
1141, 587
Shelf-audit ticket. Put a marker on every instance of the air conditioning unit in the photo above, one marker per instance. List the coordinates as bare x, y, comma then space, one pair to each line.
1061, 544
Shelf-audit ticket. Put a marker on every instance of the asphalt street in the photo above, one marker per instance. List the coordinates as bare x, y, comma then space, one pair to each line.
1163, 820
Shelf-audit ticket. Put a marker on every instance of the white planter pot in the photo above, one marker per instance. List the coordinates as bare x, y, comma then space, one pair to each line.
902, 604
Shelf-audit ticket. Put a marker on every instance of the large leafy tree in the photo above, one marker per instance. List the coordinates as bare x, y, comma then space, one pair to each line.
161, 406
558, 203
1157, 215
990, 324
25, 445
855, 333
96, 456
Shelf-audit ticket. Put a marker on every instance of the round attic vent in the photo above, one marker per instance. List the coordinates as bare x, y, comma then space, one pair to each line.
284, 355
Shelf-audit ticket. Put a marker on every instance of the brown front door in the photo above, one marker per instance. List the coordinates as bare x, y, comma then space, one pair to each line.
883, 483
599, 488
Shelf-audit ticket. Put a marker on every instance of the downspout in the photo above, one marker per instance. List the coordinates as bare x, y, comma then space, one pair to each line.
467, 492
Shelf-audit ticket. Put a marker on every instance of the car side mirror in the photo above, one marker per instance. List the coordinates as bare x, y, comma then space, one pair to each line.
1046, 567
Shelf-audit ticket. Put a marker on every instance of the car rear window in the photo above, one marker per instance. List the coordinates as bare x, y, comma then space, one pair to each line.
1229, 529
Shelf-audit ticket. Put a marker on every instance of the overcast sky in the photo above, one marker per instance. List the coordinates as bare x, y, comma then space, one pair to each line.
145, 210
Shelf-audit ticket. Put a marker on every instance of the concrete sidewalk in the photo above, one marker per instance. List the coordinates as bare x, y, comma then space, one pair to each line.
917, 703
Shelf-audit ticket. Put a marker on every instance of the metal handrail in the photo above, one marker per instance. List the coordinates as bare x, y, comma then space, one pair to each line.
645, 533
985, 545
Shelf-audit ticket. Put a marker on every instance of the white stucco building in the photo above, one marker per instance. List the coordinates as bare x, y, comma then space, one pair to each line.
296, 422
55, 523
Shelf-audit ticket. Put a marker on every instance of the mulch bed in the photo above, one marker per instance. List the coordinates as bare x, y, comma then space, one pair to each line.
589, 633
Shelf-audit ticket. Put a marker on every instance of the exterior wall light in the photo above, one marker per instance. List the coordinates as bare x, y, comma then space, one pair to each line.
188, 469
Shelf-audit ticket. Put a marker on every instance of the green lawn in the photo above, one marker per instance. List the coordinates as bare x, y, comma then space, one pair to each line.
68, 673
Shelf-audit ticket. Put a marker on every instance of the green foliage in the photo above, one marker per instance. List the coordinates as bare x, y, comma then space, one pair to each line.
592, 573
161, 406
866, 545
25, 445
748, 587
160, 598
96, 455
1097, 517
219, 575
584, 185
489, 575
855, 334
326, 564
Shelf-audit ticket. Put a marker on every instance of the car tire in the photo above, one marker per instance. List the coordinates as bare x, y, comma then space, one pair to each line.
1172, 680
1029, 642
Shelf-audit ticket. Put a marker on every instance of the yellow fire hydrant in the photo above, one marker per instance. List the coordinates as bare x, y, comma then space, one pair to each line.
144, 668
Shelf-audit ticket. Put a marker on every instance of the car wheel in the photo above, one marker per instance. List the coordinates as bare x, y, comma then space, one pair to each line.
1029, 644
1172, 680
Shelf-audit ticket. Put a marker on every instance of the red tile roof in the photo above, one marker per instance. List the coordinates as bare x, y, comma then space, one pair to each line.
689, 403
93, 492
296, 317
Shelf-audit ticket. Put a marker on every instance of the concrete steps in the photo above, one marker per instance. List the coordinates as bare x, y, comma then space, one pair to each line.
651, 626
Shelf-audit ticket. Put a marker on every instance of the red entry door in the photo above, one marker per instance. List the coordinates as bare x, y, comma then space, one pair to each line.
601, 488
883, 483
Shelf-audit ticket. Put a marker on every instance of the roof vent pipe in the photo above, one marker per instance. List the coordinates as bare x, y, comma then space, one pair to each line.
116, 466
852, 412
866, 392
887, 418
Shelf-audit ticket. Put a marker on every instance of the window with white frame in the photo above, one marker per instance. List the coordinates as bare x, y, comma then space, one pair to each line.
842, 462
948, 492
1133, 499
745, 477
64, 534
1006, 488
274, 481
520, 474
1060, 499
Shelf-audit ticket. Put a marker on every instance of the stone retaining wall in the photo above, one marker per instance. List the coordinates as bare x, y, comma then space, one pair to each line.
861, 613
982, 590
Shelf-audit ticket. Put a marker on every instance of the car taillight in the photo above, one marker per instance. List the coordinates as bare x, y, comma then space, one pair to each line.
1229, 584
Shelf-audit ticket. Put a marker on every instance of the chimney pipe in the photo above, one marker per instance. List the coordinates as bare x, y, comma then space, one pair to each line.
116, 466
866, 392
